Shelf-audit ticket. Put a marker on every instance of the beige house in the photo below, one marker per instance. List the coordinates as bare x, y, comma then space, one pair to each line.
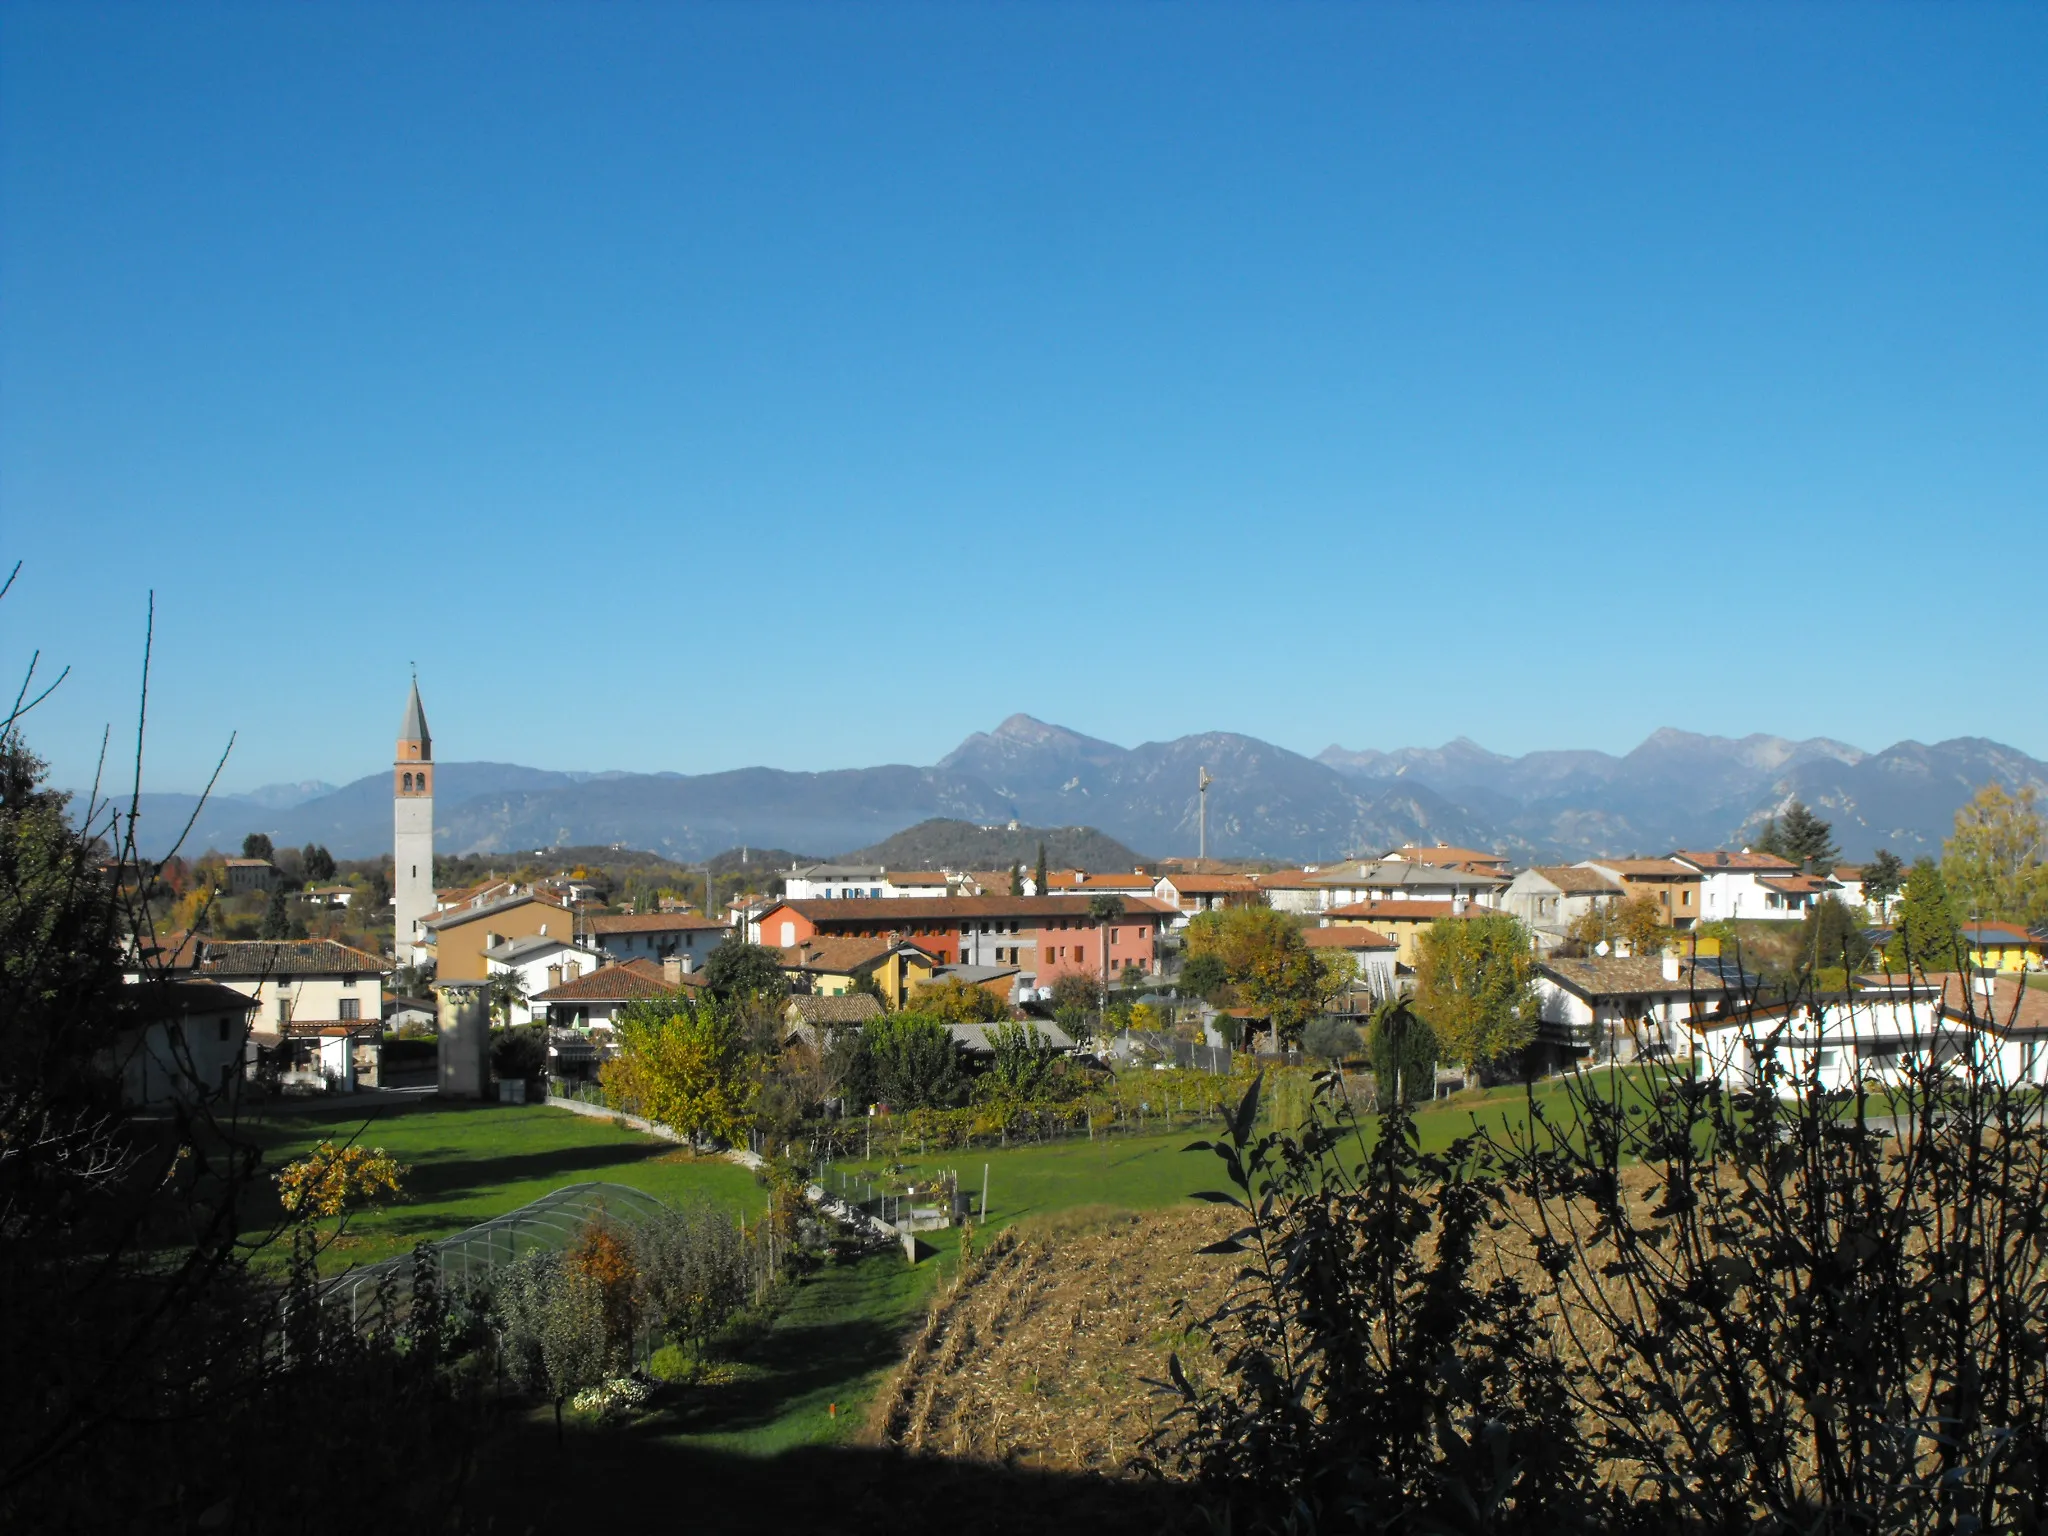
459, 937
299, 986
1674, 886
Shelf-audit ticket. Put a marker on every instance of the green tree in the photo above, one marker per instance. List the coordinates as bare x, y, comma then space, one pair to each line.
1809, 841
737, 973
277, 917
1832, 942
1769, 839
1925, 933
915, 1062
684, 1065
316, 863
1330, 1038
1402, 1049
1993, 861
1268, 964
1203, 976
1882, 878
1017, 878
1475, 983
257, 846
1025, 1066
1043, 889
505, 991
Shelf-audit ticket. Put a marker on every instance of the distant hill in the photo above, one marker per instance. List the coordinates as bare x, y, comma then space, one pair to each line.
945, 844
1677, 789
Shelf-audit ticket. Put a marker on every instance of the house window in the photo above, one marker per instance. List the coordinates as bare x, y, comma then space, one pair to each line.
284, 1009
351, 1010
223, 1028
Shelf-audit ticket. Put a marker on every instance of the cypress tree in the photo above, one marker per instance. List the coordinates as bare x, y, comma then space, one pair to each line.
1926, 936
1041, 870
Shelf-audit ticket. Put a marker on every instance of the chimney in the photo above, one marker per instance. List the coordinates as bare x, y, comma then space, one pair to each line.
672, 970
1459, 903
554, 977
1671, 965
543, 930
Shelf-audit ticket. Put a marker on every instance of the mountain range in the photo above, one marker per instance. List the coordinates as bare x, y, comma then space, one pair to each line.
1676, 789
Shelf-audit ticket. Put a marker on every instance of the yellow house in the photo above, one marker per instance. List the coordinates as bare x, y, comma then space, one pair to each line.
1402, 921
826, 966
2003, 947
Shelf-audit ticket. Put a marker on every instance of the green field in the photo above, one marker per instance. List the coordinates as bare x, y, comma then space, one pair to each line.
841, 1328
469, 1163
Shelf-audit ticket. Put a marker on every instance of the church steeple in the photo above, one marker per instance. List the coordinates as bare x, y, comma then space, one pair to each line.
412, 830
412, 731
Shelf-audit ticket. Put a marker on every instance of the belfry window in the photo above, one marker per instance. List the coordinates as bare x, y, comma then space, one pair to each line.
408, 783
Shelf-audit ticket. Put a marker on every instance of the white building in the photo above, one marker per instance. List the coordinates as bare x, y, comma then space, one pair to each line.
179, 1042
541, 962
834, 882
1732, 885
1838, 1041
1355, 881
1624, 1009
656, 936
1373, 955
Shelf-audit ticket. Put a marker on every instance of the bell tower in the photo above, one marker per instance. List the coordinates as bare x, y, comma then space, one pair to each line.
412, 830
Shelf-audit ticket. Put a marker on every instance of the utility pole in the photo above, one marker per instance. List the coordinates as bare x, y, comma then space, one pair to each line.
1202, 783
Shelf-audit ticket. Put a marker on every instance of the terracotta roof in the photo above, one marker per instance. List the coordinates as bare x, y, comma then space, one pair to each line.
618, 983
1637, 976
1393, 872
1198, 885
1348, 936
1797, 885
2013, 1007
852, 1008
894, 911
841, 955
1643, 869
457, 917
1713, 859
286, 957
174, 951
1406, 911
1445, 854
1074, 880
248, 864
1575, 881
918, 877
650, 922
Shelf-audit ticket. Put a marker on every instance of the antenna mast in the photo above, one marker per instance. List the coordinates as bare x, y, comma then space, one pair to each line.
1202, 783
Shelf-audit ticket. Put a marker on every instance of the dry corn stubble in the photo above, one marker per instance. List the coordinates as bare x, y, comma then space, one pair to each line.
1043, 1354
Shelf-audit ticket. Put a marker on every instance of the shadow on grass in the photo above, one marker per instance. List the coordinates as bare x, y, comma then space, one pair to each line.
622, 1479
792, 1361
446, 1174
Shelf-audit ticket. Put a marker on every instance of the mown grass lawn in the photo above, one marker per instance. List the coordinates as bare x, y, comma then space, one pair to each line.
469, 1163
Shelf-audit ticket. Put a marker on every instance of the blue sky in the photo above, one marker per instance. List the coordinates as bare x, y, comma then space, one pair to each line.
690, 387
